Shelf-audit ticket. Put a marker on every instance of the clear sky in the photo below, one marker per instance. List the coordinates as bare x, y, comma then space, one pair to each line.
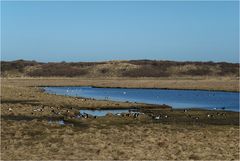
96, 31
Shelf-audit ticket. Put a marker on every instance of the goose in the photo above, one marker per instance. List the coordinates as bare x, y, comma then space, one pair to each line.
157, 118
85, 115
209, 115
135, 115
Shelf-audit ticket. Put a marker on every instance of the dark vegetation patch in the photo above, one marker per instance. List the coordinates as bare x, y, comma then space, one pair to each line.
29, 118
3, 101
198, 72
104, 70
147, 71
170, 63
153, 68
227, 68
17, 65
58, 69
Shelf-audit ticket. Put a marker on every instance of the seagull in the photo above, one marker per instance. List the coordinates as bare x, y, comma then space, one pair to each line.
124, 92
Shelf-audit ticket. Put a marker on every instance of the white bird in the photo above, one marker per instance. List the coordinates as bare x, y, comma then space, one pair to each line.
9, 109
124, 92
157, 117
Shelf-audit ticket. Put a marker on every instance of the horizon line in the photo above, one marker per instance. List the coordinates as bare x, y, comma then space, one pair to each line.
118, 60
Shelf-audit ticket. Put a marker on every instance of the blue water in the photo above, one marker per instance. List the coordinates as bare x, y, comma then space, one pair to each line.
174, 98
103, 112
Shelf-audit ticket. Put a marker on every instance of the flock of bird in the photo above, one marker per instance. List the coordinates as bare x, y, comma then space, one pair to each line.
134, 114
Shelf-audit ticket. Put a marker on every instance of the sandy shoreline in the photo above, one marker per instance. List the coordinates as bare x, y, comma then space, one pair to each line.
27, 134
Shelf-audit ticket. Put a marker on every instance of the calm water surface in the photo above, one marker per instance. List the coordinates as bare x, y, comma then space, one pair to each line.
174, 98
103, 112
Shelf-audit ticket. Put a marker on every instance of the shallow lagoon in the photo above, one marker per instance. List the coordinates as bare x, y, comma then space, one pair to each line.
103, 112
175, 98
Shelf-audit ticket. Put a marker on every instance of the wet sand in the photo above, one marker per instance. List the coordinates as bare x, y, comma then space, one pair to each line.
27, 134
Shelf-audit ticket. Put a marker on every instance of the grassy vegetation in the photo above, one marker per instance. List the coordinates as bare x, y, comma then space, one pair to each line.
26, 133
203, 83
132, 68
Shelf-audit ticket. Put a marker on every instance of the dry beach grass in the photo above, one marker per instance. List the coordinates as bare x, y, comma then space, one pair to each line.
204, 83
27, 134
41, 141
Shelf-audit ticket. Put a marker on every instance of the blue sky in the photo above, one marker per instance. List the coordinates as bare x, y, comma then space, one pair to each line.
97, 31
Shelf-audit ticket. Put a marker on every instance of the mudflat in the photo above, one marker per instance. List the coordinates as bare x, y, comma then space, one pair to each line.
27, 133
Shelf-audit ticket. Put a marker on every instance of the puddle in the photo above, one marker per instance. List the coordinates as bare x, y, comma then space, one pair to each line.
58, 122
104, 112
